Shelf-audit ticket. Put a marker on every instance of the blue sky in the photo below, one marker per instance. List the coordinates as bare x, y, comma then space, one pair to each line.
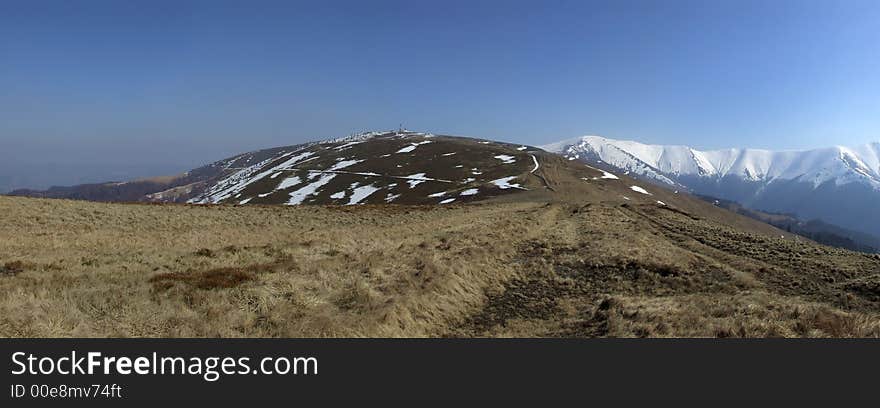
90, 89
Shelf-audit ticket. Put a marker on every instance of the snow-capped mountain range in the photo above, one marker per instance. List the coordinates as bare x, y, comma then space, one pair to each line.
836, 184
841, 165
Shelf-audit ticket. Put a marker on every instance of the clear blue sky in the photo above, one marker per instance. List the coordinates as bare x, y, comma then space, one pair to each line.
117, 89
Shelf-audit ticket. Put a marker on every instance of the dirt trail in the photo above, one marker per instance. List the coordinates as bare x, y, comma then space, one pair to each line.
575, 284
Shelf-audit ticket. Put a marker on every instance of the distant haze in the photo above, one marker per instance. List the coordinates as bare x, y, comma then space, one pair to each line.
41, 163
107, 90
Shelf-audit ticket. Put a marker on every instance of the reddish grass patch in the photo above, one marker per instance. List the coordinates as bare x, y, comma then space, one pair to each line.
12, 268
218, 278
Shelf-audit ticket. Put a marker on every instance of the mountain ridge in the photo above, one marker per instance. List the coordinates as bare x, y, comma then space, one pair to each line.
837, 184
755, 164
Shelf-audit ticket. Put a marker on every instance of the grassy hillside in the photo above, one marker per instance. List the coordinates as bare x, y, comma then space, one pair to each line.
572, 263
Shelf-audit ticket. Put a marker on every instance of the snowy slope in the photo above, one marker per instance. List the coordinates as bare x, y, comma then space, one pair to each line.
399, 167
840, 165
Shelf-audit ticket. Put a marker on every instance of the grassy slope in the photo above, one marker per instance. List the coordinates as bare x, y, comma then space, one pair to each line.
580, 261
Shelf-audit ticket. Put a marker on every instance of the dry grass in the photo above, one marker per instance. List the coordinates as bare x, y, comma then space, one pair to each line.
148, 270
740, 315
503, 269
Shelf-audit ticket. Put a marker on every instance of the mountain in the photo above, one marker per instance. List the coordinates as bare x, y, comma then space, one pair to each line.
400, 167
839, 185
396, 167
373, 168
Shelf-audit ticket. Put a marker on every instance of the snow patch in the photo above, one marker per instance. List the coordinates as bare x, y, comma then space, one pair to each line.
361, 193
343, 164
288, 183
349, 144
506, 159
639, 190
504, 183
412, 146
418, 178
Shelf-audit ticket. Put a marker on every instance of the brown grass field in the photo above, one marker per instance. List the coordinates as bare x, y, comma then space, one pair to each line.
524, 268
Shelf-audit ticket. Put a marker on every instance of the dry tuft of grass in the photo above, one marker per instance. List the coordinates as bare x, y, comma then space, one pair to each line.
211, 279
740, 315
12, 268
